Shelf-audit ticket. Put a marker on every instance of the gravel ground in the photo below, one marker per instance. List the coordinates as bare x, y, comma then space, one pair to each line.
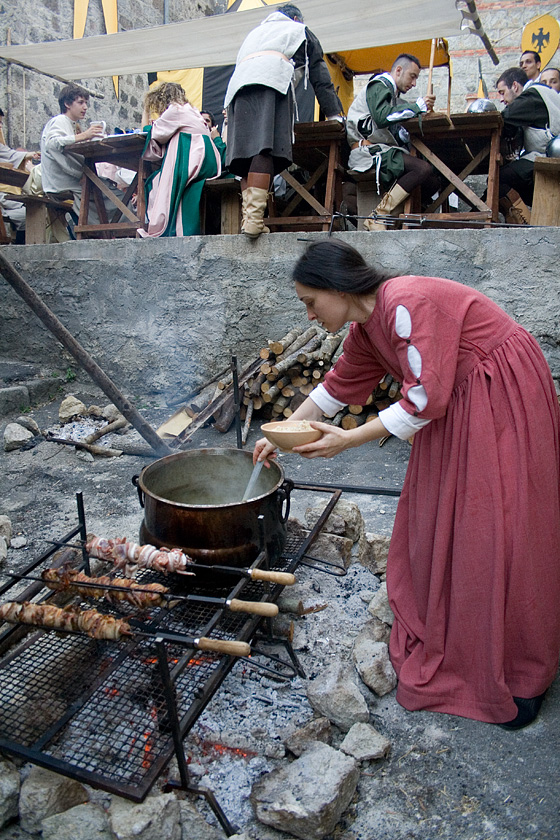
446, 777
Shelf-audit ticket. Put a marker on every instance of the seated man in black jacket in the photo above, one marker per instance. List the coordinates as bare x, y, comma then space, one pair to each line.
531, 119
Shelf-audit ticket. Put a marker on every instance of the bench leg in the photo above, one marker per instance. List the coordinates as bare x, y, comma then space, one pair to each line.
36, 219
230, 214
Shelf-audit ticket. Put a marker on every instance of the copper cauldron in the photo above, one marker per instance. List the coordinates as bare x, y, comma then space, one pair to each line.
192, 501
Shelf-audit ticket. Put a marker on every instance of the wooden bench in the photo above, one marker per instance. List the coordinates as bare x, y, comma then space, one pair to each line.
39, 212
546, 192
221, 197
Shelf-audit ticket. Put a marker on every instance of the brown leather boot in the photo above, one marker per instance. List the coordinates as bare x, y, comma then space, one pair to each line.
514, 209
388, 203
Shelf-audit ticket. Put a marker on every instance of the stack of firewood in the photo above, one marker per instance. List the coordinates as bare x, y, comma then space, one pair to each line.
274, 385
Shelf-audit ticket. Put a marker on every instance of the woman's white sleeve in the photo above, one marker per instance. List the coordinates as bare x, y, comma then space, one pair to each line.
399, 422
328, 405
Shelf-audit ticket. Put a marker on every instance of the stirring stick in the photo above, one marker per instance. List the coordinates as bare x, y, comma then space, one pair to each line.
253, 480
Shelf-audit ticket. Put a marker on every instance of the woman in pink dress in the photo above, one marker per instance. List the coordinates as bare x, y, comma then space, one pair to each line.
473, 573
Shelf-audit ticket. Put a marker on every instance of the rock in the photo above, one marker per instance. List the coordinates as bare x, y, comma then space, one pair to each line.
15, 436
346, 520
111, 412
329, 547
95, 411
84, 455
318, 729
194, 826
83, 822
9, 791
307, 797
19, 542
335, 695
29, 424
300, 599
374, 666
71, 407
43, 794
379, 606
3, 550
6, 529
372, 552
375, 630
156, 817
365, 743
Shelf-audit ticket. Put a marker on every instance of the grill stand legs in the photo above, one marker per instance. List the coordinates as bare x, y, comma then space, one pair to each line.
184, 783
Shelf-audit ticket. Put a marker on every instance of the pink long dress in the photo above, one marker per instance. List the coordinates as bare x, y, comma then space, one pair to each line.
474, 566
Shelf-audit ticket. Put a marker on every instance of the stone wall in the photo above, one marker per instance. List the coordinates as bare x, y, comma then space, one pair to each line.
503, 22
29, 99
163, 316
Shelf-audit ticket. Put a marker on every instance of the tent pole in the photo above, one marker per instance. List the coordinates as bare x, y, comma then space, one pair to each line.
431, 70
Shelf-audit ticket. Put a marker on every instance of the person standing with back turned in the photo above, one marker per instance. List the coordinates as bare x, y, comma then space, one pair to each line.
260, 103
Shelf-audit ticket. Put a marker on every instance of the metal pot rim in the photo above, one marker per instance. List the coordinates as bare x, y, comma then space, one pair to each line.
210, 451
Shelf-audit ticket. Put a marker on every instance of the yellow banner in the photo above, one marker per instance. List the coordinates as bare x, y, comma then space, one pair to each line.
541, 35
110, 15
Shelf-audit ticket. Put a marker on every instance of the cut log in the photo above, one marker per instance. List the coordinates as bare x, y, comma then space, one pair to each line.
255, 389
247, 424
280, 367
312, 345
106, 430
225, 415
270, 395
337, 419
278, 347
394, 389
352, 421
355, 409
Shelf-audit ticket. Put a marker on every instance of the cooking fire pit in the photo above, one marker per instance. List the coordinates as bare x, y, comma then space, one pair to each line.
112, 713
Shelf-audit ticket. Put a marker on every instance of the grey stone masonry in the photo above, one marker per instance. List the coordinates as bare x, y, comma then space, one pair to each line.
163, 316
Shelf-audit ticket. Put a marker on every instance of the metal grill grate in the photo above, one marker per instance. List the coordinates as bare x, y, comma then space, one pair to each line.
101, 712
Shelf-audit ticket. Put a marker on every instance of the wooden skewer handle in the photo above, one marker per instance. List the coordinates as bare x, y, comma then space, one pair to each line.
253, 607
285, 578
223, 646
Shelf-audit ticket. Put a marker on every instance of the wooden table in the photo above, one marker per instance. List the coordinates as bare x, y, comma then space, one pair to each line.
124, 150
318, 150
459, 146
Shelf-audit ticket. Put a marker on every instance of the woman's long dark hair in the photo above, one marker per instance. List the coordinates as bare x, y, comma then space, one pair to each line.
332, 264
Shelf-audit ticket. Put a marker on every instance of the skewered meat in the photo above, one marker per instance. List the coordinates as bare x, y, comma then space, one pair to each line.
71, 579
130, 556
94, 623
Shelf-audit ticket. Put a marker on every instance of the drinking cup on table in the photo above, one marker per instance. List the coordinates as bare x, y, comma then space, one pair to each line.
103, 125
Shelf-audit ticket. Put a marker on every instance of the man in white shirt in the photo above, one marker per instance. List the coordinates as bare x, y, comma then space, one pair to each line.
530, 62
62, 172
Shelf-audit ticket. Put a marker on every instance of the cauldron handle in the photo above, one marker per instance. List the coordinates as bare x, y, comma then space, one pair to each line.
284, 496
135, 479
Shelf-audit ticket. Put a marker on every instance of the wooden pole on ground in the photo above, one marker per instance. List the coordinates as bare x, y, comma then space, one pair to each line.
83, 358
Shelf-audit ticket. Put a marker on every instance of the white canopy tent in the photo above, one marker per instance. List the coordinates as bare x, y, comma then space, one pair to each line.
340, 25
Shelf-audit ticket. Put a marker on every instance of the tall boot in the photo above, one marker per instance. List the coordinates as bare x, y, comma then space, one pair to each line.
388, 203
514, 209
254, 202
